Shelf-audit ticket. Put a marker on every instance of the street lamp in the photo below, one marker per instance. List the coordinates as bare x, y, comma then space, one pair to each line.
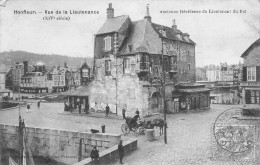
163, 90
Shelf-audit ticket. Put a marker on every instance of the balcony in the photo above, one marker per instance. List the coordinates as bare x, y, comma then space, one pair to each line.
173, 69
144, 66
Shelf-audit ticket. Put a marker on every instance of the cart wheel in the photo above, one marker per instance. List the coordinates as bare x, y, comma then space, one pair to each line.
141, 130
125, 128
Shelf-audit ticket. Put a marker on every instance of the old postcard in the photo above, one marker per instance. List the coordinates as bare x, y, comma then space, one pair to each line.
130, 82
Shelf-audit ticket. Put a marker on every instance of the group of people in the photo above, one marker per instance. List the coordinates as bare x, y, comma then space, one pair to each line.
95, 153
231, 101
108, 110
28, 106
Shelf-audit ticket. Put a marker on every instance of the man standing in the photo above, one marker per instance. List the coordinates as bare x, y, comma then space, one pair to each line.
28, 108
107, 110
79, 107
121, 151
95, 155
39, 104
123, 113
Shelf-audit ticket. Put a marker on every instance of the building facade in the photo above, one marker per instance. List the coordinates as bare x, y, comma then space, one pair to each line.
14, 75
129, 60
200, 74
72, 79
251, 75
2, 80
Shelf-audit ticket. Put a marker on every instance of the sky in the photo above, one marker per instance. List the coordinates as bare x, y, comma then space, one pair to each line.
219, 37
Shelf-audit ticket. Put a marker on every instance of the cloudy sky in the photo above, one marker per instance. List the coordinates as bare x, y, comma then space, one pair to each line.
219, 37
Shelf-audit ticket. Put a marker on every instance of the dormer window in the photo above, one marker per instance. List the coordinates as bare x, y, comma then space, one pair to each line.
107, 43
163, 32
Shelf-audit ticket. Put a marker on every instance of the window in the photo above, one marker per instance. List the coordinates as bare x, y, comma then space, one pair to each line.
173, 63
108, 67
188, 66
163, 32
255, 96
107, 43
166, 64
126, 65
144, 65
251, 73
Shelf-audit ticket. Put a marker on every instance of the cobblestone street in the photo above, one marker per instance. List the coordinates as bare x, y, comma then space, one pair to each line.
189, 134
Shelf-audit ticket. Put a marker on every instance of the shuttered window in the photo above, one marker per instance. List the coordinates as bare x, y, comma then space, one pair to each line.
244, 74
126, 65
258, 73
248, 97
107, 43
251, 73
254, 95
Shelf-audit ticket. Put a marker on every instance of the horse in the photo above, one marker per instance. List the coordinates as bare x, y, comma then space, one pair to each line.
159, 123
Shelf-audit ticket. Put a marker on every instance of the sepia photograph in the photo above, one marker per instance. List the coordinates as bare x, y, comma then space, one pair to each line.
108, 82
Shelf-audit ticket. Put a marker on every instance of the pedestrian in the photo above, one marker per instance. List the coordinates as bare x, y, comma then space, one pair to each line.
70, 107
121, 152
79, 107
123, 113
134, 121
95, 155
28, 108
107, 110
39, 104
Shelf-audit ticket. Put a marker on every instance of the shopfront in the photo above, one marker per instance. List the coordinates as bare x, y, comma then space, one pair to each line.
193, 96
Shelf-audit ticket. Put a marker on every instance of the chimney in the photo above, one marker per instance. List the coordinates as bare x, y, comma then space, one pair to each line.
148, 17
25, 67
110, 11
174, 24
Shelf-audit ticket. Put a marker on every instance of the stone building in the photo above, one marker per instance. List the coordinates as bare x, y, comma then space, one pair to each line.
41, 80
128, 63
128, 60
251, 75
72, 79
2, 80
15, 73
200, 74
85, 74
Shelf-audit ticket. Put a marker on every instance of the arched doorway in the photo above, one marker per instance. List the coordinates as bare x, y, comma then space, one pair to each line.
156, 102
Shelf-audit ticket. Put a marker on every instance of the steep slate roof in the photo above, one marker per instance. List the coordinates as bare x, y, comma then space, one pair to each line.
142, 38
145, 37
112, 24
254, 45
170, 33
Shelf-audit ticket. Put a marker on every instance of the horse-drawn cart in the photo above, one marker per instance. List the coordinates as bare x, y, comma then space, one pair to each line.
148, 122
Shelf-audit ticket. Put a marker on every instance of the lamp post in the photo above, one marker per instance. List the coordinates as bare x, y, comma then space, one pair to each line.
116, 53
163, 89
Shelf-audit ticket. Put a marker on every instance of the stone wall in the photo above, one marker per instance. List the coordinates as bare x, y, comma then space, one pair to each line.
60, 145
111, 154
130, 95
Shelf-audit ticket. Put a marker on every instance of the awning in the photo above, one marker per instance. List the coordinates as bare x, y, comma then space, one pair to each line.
5, 91
194, 90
